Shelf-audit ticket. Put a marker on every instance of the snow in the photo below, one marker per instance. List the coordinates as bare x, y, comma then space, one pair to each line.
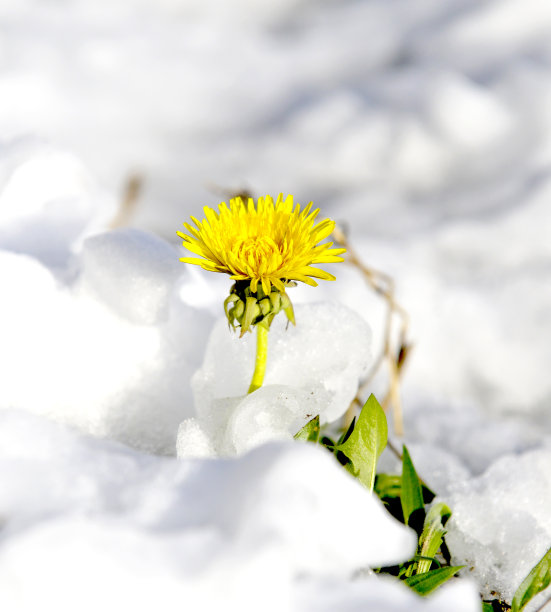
137, 265
314, 368
515, 492
422, 127
149, 532
48, 201
111, 367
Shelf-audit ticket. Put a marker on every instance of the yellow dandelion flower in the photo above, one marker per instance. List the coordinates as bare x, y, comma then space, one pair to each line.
267, 244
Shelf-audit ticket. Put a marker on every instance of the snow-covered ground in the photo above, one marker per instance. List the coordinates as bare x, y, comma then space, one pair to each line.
424, 128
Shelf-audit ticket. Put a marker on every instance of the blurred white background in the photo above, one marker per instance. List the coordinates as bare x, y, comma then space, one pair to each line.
423, 127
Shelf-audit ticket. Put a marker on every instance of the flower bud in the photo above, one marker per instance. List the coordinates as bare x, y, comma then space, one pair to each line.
245, 308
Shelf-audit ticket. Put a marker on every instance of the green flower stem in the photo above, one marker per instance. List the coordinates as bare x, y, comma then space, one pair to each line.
261, 358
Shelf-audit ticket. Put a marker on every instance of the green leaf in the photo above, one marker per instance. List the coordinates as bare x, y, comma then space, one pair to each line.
347, 433
310, 432
388, 485
412, 492
432, 535
494, 605
366, 442
536, 582
426, 583
430, 559
327, 442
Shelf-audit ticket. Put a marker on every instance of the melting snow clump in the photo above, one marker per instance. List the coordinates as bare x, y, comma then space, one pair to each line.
313, 369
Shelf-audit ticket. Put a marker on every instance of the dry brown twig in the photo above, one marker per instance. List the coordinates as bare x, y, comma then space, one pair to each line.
127, 206
393, 354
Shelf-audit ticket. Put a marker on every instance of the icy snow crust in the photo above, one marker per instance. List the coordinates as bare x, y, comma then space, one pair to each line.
425, 128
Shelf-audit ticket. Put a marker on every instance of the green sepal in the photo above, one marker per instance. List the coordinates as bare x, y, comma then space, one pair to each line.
265, 306
252, 310
245, 308
229, 308
275, 299
288, 308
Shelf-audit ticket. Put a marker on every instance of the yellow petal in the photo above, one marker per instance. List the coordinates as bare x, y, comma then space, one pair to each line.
266, 243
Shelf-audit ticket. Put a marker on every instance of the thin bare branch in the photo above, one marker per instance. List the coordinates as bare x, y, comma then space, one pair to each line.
394, 357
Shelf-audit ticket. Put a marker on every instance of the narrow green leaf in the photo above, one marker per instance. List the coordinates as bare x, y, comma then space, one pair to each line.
432, 535
412, 492
426, 583
487, 607
310, 432
431, 560
537, 581
366, 442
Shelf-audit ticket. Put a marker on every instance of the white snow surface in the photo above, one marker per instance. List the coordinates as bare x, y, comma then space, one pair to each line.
107, 353
424, 128
515, 492
130, 530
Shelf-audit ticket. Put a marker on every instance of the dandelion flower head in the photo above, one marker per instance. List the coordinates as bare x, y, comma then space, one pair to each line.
269, 243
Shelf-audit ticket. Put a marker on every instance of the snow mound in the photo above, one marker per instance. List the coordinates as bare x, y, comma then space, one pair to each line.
112, 353
48, 201
132, 272
214, 533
